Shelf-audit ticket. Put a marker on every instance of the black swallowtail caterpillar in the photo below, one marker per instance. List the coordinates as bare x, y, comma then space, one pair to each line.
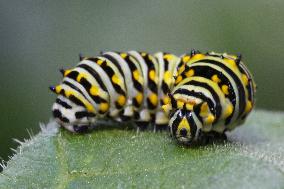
194, 95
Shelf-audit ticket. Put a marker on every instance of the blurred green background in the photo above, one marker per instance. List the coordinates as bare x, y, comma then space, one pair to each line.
38, 37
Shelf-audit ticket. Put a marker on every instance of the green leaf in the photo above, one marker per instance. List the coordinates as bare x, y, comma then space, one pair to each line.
253, 157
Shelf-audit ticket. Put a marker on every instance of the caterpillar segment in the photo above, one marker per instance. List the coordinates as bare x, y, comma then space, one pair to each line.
215, 91
196, 96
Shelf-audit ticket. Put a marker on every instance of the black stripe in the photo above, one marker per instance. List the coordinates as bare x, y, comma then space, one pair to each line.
95, 75
110, 72
151, 84
175, 125
131, 64
135, 103
73, 75
74, 87
115, 62
82, 114
166, 64
218, 107
73, 98
192, 124
249, 87
86, 84
165, 87
197, 110
150, 105
198, 95
208, 72
133, 67
76, 101
138, 86
63, 104
58, 114
238, 82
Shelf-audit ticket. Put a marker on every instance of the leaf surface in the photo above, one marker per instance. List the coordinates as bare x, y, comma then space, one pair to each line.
253, 157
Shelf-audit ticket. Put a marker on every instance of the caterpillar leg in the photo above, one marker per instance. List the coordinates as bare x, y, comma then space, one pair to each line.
142, 120
210, 137
161, 121
161, 127
141, 125
81, 128
77, 128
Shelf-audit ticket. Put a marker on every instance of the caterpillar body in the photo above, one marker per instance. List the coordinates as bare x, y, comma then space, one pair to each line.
195, 95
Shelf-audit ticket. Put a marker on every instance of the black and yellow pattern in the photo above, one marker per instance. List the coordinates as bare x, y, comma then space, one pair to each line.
195, 94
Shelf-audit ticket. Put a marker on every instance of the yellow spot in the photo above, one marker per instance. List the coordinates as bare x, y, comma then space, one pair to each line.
198, 56
229, 110
225, 89
89, 107
168, 56
153, 99
234, 57
80, 76
136, 74
231, 62
184, 124
185, 58
179, 78
94, 90
204, 109
121, 100
180, 104
167, 76
123, 55
99, 62
189, 106
167, 108
139, 97
166, 100
66, 72
181, 69
143, 54
245, 79
248, 106
215, 78
115, 79
210, 119
104, 106
68, 93
152, 75
58, 89
189, 73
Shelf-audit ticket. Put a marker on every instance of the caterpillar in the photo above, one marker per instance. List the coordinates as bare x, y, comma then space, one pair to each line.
196, 95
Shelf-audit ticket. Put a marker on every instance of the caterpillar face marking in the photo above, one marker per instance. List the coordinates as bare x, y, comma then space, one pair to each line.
194, 95
183, 127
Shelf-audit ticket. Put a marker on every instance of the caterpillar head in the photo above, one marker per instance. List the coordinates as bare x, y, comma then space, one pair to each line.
71, 116
183, 125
